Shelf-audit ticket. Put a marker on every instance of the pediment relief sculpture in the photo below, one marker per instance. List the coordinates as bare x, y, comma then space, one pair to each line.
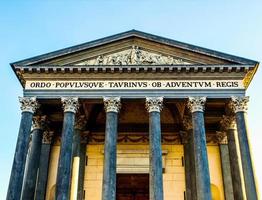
134, 56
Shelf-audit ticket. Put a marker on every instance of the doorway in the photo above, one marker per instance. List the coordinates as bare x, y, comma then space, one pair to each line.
132, 187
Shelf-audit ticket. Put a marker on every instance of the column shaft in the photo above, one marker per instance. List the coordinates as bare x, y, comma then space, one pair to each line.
43, 172
201, 159
225, 164
76, 162
155, 157
109, 172
237, 181
64, 164
187, 171
247, 165
82, 166
192, 167
17, 173
29, 184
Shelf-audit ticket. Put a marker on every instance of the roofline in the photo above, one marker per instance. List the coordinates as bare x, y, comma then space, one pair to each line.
133, 33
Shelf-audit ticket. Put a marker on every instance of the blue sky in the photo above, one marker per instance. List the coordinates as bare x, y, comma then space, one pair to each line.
29, 28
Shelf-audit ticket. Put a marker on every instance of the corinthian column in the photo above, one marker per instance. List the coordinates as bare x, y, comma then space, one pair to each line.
28, 107
70, 105
154, 106
228, 124
112, 107
29, 184
239, 106
196, 106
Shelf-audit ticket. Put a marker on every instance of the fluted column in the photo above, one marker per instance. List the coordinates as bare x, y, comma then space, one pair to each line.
196, 106
239, 106
44, 165
70, 105
225, 164
228, 124
28, 107
190, 173
154, 107
112, 107
79, 125
29, 184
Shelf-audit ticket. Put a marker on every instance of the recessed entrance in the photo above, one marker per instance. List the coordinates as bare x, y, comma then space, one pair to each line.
132, 187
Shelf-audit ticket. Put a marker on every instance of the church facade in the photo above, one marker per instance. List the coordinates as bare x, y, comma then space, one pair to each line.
133, 116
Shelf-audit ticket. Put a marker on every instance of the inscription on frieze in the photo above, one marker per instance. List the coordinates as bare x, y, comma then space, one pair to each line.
134, 85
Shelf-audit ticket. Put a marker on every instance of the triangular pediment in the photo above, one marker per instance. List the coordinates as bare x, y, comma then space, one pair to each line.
134, 48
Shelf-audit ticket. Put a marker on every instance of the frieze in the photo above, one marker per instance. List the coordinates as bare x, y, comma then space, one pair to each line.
135, 138
134, 56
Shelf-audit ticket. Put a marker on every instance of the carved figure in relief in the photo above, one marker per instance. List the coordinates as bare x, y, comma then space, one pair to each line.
99, 60
134, 56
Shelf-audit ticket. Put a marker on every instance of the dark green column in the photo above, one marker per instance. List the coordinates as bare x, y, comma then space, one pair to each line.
240, 107
82, 166
225, 165
187, 163
196, 106
190, 172
28, 107
63, 179
29, 183
44, 166
112, 106
79, 126
228, 125
154, 107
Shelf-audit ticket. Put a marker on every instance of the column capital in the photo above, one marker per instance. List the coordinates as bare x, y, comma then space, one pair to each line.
39, 122
154, 104
112, 104
221, 137
228, 122
80, 122
47, 137
196, 104
28, 104
187, 122
239, 104
70, 104
185, 136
